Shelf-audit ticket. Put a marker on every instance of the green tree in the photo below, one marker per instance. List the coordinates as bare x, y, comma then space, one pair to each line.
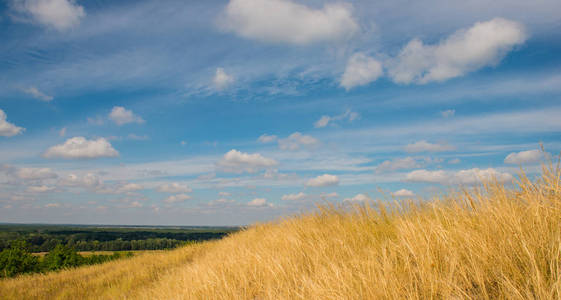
17, 260
62, 257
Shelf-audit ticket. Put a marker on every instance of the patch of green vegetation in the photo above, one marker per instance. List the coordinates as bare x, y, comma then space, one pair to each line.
16, 259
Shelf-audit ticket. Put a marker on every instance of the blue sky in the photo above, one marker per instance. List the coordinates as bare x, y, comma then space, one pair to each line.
232, 112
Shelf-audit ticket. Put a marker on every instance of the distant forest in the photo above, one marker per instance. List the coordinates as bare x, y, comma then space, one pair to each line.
44, 238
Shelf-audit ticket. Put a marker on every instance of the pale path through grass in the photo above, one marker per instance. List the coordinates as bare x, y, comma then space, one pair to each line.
489, 243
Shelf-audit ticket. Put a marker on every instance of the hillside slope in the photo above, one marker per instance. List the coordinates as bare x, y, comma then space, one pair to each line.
488, 243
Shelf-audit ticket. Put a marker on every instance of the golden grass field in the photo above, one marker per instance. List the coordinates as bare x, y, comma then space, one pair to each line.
492, 242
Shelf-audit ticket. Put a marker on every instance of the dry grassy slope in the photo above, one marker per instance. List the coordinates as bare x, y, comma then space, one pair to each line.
491, 243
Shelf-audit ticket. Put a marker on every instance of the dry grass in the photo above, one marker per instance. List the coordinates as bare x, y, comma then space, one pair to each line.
487, 243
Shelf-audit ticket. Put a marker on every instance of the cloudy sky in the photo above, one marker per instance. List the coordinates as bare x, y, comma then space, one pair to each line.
232, 112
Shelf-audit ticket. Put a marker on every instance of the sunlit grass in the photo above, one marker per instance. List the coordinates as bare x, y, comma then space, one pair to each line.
491, 242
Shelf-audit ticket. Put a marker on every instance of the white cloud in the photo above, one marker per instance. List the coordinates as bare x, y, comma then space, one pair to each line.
174, 188
35, 173
267, 138
322, 122
325, 120
468, 177
80, 147
360, 70
524, 157
8, 129
33, 91
177, 198
58, 14
448, 113
403, 193
40, 189
28, 174
221, 79
296, 141
88, 180
121, 116
323, 180
398, 164
238, 162
358, 198
293, 197
283, 21
467, 50
424, 146
259, 202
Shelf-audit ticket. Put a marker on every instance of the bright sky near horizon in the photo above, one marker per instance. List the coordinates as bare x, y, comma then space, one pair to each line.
232, 112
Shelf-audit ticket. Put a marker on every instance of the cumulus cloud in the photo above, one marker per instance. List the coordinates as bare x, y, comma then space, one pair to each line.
403, 193
88, 180
8, 129
121, 116
424, 146
524, 157
323, 180
238, 162
358, 198
360, 70
467, 177
80, 147
259, 202
296, 141
174, 188
177, 198
57, 14
347, 115
35, 173
35, 93
483, 44
398, 164
294, 197
221, 79
28, 174
267, 138
283, 21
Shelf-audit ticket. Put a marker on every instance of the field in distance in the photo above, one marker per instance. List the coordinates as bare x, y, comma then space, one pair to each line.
44, 237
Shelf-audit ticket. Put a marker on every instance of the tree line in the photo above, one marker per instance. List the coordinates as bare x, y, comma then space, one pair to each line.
44, 238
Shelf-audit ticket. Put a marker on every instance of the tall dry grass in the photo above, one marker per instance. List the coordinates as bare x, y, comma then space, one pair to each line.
491, 242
